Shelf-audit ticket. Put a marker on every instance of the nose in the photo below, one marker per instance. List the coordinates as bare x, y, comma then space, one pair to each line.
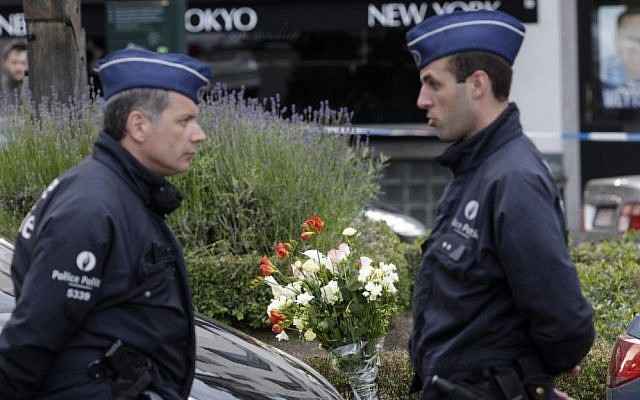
197, 134
424, 101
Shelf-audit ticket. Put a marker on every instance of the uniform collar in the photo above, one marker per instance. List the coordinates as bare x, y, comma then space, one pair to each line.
464, 155
156, 192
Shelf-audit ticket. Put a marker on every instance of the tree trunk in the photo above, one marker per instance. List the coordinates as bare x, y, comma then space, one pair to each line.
56, 48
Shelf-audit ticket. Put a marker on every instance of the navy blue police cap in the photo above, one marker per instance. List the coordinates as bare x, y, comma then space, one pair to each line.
443, 35
139, 68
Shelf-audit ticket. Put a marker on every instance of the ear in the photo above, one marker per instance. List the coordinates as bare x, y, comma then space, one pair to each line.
138, 126
480, 84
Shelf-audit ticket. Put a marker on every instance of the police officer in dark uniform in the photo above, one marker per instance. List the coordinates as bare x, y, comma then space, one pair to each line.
103, 308
498, 310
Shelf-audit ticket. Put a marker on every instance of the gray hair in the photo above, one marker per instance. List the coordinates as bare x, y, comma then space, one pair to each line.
150, 102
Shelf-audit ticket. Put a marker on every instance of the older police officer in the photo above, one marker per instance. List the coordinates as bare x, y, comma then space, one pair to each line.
498, 310
103, 309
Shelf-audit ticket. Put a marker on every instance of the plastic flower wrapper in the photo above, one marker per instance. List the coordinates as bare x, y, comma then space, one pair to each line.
335, 296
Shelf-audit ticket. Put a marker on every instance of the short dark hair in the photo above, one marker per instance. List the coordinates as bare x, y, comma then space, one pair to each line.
151, 102
17, 45
462, 65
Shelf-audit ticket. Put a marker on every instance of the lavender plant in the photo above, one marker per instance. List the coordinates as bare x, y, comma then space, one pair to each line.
263, 168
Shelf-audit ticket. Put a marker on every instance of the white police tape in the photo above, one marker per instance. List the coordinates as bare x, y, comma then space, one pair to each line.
428, 132
378, 131
603, 136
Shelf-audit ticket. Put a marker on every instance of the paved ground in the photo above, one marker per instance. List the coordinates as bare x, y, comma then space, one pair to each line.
397, 339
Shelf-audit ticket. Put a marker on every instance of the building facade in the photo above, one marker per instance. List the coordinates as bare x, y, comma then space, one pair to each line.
351, 53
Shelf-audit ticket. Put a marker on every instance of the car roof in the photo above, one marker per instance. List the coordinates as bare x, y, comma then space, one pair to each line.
632, 181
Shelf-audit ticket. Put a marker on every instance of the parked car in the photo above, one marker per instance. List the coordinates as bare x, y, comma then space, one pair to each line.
612, 205
407, 228
230, 365
623, 380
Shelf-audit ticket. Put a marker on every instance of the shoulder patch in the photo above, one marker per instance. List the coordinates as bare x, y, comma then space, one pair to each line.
86, 261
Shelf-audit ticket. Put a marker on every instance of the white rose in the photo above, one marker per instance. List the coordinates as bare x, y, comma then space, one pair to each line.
387, 268
299, 323
391, 288
344, 248
310, 267
349, 231
364, 273
335, 255
375, 290
390, 279
331, 292
309, 335
278, 303
365, 262
282, 336
304, 298
339, 254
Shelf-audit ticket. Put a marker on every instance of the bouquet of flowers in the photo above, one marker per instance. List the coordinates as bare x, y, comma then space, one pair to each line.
341, 298
335, 297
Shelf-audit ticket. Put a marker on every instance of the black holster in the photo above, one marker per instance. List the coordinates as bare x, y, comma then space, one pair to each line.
527, 380
538, 383
129, 371
523, 380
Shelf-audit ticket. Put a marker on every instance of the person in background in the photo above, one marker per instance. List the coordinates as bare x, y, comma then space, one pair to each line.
15, 66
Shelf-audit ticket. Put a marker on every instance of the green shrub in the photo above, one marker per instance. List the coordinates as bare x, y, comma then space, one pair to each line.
223, 286
36, 150
394, 375
9, 223
383, 243
609, 272
259, 176
255, 180
590, 384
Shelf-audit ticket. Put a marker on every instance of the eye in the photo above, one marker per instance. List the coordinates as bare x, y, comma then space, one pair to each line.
431, 83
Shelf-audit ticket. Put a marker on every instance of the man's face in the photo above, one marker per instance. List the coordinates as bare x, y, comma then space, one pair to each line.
174, 139
628, 42
16, 65
446, 101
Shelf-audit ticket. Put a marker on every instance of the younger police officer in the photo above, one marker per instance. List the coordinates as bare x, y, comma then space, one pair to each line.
103, 309
498, 309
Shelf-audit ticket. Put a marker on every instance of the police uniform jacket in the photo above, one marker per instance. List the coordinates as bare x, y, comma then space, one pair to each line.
95, 262
496, 282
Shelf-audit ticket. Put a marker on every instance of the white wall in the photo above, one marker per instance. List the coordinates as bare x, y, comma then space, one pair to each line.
537, 78
545, 87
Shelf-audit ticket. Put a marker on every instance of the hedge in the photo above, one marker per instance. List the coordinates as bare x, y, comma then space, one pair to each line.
224, 284
610, 276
